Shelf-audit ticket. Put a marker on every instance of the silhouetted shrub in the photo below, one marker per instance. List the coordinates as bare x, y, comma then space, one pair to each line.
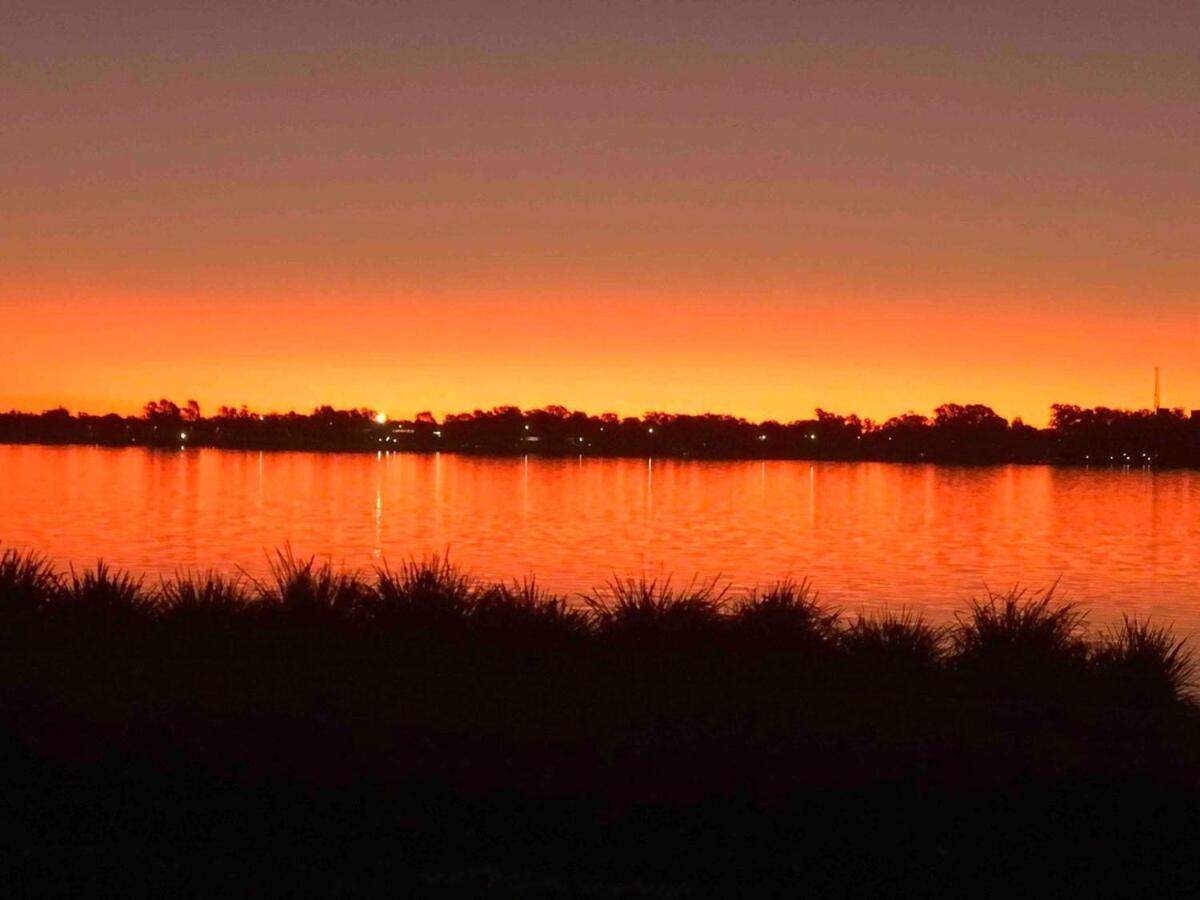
101, 607
422, 602
205, 613
28, 582
1022, 647
1145, 665
894, 652
521, 617
786, 616
647, 614
311, 591
310, 608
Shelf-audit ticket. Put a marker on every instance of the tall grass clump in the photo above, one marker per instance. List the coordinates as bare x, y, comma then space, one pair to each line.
1022, 647
423, 602
306, 590
28, 583
204, 613
786, 617
649, 616
309, 607
521, 617
101, 608
894, 651
1140, 664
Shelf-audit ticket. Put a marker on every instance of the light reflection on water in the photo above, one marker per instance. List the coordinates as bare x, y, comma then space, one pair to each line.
866, 534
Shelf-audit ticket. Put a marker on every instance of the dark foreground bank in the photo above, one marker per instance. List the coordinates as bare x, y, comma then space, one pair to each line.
329, 734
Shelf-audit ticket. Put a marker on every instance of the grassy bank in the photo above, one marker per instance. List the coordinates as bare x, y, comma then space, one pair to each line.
1018, 647
415, 723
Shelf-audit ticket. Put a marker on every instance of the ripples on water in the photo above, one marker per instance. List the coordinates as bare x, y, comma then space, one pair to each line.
866, 534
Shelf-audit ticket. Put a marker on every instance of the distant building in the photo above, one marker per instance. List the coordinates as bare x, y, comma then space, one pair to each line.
1196, 415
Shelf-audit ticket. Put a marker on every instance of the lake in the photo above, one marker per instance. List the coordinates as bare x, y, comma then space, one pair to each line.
867, 535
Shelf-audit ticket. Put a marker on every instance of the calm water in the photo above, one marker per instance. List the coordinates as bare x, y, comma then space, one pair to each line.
866, 534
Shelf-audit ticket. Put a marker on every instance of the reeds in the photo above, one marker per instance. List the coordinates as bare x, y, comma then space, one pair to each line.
1144, 664
1022, 645
524, 618
194, 598
101, 608
27, 584
647, 616
205, 614
786, 616
308, 592
1015, 647
428, 596
895, 651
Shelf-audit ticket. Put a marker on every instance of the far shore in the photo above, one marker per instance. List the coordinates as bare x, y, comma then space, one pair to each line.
955, 433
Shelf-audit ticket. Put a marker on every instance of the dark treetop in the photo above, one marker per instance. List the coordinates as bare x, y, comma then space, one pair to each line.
971, 433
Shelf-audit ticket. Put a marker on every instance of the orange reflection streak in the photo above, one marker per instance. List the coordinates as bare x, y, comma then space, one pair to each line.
575, 524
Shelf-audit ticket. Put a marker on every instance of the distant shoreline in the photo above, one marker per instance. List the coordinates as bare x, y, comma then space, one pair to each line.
954, 434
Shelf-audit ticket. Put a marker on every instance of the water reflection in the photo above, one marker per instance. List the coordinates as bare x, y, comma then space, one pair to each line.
866, 534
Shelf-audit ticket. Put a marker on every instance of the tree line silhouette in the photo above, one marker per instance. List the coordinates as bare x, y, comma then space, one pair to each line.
970, 433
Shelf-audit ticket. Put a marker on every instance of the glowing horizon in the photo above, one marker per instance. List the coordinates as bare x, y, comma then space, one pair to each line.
767, 366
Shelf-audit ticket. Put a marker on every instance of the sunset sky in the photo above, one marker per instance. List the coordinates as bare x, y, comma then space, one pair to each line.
747, 207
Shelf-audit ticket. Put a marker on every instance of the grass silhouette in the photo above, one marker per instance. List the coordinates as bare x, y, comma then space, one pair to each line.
787, 616
523, 618
1017, 646
206, 614
1143, 663
646, 727
28, 583
1023, 646
101, 610
895, 651
428, 595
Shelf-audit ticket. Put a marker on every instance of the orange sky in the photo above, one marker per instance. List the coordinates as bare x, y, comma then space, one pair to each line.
753, 208
760, 357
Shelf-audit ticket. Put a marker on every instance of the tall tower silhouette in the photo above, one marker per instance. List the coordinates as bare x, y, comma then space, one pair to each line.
1157, 393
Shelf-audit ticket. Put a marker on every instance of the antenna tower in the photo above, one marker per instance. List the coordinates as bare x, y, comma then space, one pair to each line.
1157, 394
